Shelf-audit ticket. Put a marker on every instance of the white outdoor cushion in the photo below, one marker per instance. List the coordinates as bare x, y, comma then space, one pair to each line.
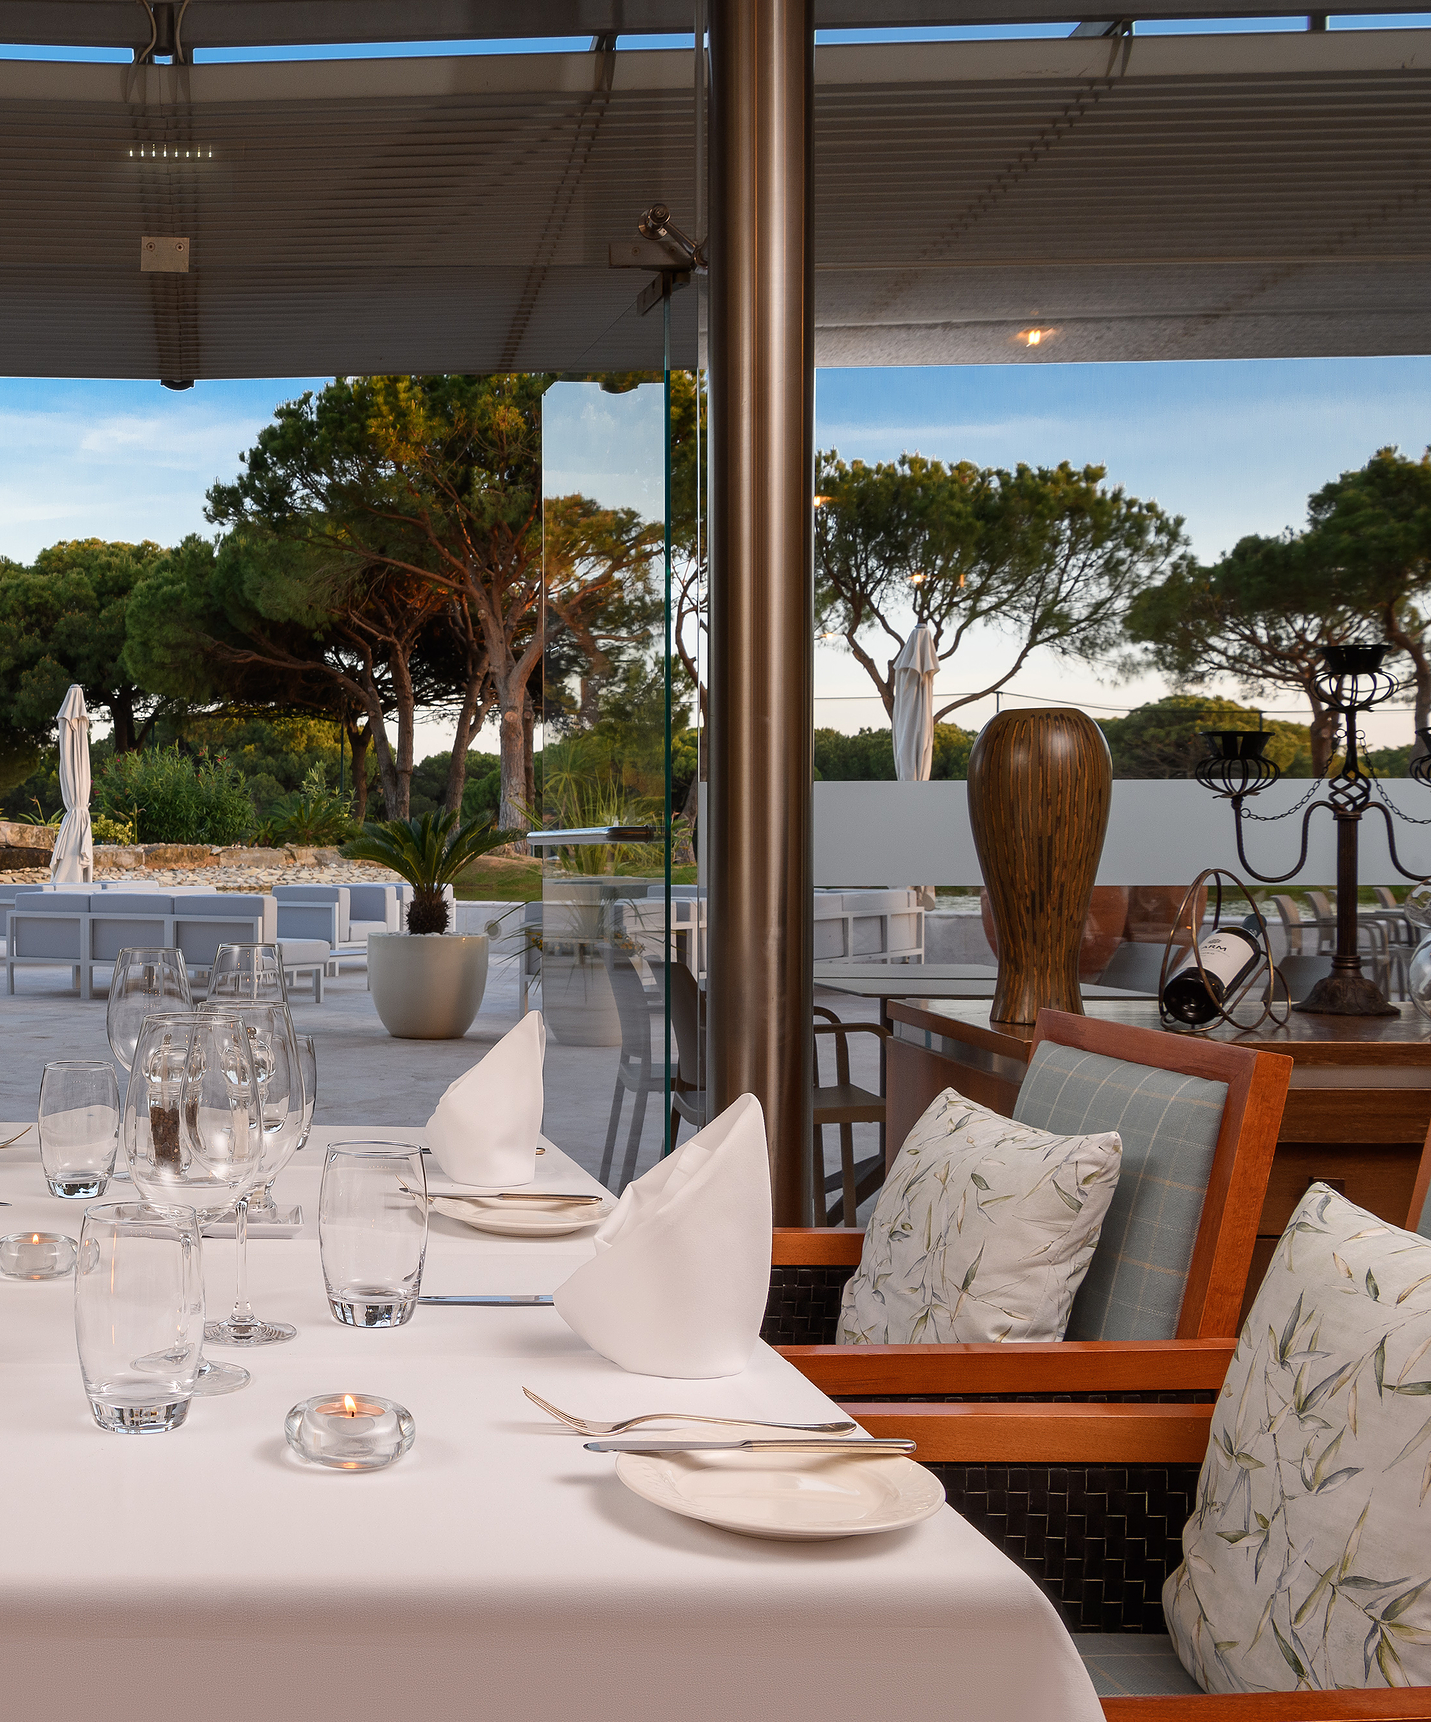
1308, 1560
983, 1231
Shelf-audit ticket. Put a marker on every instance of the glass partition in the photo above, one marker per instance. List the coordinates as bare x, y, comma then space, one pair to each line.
599, 942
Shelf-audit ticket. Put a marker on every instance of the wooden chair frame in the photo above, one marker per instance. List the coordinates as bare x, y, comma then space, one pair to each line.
1257, 1084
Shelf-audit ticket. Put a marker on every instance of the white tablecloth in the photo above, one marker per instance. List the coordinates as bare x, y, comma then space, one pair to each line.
499, 1570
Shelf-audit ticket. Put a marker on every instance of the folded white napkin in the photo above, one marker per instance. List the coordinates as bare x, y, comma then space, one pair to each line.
486, 1125
681, 1274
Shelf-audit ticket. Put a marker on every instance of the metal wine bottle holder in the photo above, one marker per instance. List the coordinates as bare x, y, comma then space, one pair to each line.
1186, 919
1352, 681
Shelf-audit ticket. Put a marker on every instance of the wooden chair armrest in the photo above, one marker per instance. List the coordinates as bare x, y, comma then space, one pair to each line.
815, 1247
1409, 1704
1064, 1366
1042, 1434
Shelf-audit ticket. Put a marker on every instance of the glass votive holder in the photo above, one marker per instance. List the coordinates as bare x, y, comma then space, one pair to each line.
37, 1256
350, 1431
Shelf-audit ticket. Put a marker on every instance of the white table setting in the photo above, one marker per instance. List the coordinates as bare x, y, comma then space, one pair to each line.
497, 1566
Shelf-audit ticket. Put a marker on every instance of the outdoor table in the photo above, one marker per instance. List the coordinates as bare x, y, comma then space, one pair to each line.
498, 1569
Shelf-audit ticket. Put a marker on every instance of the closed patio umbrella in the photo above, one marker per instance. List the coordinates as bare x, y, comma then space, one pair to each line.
914, 706
73, 861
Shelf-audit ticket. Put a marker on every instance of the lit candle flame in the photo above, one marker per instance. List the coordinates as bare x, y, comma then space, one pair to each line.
34, 1237
350, 1405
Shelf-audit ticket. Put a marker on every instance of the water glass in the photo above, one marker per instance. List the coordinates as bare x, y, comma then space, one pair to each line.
79, 1127
251, 973
148, 980
372, 1231
261, 1206
139, 1314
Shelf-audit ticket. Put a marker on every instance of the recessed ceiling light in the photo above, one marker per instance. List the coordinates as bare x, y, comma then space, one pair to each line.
1035, 337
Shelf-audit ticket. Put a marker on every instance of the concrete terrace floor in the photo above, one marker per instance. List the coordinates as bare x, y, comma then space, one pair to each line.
367, 1079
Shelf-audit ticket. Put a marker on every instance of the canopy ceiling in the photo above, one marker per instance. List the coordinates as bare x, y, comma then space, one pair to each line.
1136, 198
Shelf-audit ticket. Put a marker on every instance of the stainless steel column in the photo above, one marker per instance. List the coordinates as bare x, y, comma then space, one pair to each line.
762, 371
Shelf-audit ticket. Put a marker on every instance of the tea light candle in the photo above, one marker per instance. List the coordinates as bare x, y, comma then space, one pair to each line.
350, 1431
37, 1255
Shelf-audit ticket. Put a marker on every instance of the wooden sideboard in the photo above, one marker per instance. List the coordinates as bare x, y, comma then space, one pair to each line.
1357, 1117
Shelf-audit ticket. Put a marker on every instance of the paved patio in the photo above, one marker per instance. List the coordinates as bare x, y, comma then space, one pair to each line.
368, 1079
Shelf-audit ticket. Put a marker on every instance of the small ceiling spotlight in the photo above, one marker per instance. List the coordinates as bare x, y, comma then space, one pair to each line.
1035, 337
176, 382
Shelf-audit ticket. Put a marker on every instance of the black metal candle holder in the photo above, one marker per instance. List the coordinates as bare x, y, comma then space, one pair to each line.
1352, 681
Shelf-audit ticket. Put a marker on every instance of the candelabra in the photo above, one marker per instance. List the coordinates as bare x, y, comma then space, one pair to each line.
1351, 681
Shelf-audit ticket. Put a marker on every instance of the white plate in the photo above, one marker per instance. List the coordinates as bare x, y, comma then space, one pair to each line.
517, 1220
796, 1497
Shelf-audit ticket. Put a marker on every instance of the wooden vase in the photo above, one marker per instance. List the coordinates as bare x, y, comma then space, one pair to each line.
1040, 786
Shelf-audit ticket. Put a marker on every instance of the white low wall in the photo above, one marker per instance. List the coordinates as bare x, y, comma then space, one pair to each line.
1161, 832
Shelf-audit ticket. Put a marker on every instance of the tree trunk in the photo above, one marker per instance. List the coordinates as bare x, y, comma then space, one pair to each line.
1323, 731
1414, 647
514, 772
121, 714
469, 721
529, 763
359, 740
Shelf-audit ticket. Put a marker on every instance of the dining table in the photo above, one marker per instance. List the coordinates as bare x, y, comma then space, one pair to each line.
497, 1569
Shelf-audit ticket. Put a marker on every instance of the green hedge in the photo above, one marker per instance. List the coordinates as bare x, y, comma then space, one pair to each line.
170, 798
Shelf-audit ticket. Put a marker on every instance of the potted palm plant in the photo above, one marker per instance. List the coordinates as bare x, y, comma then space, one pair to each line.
427, 984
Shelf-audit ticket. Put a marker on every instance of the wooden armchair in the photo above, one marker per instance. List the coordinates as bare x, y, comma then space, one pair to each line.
810, 1268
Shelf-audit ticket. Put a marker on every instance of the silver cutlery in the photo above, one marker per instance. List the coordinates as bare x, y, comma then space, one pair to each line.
638, 1444
584, 1425
500, 1300
504, 1196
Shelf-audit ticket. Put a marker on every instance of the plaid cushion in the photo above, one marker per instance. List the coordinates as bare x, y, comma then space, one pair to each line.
1169, 1125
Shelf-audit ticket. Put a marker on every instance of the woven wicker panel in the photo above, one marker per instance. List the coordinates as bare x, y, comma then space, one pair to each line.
1099, 1539
804, 1305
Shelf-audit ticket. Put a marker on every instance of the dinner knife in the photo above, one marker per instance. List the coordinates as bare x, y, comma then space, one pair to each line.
511, 1196
502, 1300
644, 1444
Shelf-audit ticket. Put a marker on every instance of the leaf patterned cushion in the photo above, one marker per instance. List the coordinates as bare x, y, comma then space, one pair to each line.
982, 1231
1307, 1564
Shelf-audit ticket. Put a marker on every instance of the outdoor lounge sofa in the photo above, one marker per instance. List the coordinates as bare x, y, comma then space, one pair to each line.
79, 929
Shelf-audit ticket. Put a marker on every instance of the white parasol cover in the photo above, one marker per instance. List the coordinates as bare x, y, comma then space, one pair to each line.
914, 670
73, 861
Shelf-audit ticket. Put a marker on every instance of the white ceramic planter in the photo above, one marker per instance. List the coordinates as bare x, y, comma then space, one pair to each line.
577, 1001
427, 986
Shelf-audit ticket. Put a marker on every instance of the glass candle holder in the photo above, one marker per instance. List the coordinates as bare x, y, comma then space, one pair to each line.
350, 1431
37, 1256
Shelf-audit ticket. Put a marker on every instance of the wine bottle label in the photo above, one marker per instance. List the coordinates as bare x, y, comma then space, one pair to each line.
1225, 955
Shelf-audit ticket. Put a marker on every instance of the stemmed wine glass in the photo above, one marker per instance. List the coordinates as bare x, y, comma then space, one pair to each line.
190, 1127
261, 1205
250, 974
148, 980
278, 1114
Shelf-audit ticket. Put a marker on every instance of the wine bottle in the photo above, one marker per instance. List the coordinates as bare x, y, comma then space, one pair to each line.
1229, 956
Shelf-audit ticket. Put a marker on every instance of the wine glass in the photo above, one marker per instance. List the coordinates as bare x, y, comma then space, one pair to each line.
190, 1127
261, 1206
148, 980
278, 1115
251, 974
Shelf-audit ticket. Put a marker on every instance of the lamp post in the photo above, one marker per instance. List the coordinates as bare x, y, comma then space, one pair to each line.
1351, 681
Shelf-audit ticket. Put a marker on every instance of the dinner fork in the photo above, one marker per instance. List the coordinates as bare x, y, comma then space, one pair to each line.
584, 1425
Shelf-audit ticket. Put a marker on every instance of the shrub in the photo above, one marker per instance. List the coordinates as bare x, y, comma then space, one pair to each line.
166, 797
316, 814
106, 830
